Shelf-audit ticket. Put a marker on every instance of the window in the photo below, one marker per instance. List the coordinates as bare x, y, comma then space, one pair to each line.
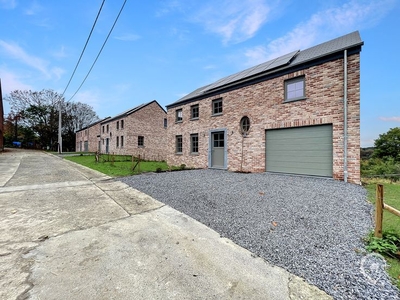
194, 112
117, 141
217, 107
140, 141
178, 117
244, 125
107, 129
103, 128
194, 143
178, 144
165, 122
294, 89
117, 125
122, 124
219, 140
122, 141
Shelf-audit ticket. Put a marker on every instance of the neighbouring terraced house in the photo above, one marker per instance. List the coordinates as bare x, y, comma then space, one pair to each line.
296, 114
1, 121
88, 138
138, 131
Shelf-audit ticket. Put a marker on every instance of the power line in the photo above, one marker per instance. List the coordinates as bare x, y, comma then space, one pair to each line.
84, 48
123, 5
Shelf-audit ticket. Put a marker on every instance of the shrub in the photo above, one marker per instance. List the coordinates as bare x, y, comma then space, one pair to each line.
383, 168
388, 245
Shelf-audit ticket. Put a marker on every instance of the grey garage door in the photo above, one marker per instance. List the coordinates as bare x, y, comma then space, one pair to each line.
301, 150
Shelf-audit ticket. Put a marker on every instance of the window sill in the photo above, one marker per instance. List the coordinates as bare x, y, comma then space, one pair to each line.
294, 100
194, 119
178, 153
194, 154
176, 122
216, 115
140, 146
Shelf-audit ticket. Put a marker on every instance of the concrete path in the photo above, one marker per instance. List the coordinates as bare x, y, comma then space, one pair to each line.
67, 232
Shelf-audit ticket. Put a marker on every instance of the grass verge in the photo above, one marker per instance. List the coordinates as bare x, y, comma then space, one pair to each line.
391, 222
119, 165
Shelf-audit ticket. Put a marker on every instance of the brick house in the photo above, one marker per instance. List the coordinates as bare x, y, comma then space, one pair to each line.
296, 114
88, 138
1, 121
138, 131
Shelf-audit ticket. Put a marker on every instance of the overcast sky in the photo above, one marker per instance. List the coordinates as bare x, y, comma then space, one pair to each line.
163, 50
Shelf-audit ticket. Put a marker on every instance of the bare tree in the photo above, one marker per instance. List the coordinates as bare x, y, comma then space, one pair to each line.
82, 114
22, 100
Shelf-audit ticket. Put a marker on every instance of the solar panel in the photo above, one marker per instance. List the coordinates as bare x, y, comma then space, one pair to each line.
280, 61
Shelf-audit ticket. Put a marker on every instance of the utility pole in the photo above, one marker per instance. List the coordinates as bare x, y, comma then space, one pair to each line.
59, 129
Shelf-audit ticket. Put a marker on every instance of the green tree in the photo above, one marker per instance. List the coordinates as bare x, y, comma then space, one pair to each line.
388, 144
39, 111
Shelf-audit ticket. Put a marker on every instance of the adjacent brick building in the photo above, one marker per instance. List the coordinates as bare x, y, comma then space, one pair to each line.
1, 121
88, 138
297, 114
138, 131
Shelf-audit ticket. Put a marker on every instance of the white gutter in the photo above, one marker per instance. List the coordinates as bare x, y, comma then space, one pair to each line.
345, 173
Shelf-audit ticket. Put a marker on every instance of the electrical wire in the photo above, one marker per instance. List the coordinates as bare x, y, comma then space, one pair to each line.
123, 5
84, 48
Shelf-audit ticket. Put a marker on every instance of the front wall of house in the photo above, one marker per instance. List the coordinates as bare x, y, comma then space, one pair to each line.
147, 122
264, 104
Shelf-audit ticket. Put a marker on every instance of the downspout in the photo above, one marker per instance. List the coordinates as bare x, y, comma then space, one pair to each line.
345, 173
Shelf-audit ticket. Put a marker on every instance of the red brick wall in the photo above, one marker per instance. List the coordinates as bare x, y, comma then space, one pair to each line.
264, 104
89, 134
147, 122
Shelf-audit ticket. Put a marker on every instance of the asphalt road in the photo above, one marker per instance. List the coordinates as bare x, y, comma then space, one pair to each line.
68, 232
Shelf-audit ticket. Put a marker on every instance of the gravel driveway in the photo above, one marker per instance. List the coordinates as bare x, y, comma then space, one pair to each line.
310, 226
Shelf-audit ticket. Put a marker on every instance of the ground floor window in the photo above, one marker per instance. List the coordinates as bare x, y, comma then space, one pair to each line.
122, 140
178, 144
140, 141
117, 141
194, 143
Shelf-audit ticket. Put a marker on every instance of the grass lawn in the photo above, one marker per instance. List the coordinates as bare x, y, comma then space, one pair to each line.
391, 196
118, 165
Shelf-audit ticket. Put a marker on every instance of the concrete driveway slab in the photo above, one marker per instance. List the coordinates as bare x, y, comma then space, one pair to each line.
161, 254
68, 232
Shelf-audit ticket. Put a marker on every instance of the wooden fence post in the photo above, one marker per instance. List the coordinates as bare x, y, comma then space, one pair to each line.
379, 210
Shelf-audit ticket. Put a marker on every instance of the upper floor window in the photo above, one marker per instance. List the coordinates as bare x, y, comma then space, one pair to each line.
179, 116
217, 107
117, 125
122, 124
107, 128
165, 123
103, 128
295, 89
140, 141
194, 111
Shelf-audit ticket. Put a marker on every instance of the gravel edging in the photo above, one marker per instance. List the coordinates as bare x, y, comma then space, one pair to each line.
312, 227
